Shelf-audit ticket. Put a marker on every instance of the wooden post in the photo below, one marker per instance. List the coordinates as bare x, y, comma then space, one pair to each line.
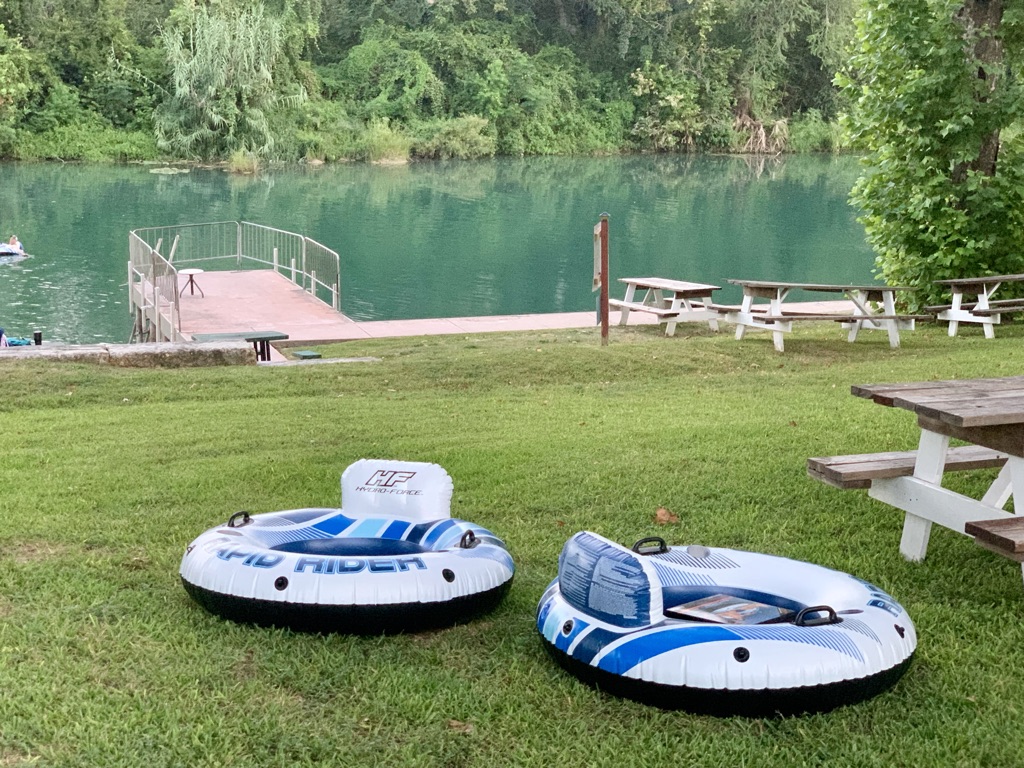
604, 279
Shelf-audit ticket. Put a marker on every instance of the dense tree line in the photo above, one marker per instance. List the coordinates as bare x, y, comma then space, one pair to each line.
372, 79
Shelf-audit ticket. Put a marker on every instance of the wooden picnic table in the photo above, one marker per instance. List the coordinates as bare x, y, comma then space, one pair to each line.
777, 319
988, 413
985, 310
673, 301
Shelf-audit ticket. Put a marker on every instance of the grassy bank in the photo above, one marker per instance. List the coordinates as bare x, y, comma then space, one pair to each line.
108, 474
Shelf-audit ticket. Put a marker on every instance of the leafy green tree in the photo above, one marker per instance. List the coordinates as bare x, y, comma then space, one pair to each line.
554, 106
144, 18
669, 117
637, 25
544, 103
74, 36
381, 78
14, 77
766, 32
72, 43
223, 65
934, 92
706, 57
15, 87
818, 49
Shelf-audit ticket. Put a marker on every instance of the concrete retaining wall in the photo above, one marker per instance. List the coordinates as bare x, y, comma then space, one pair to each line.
157, 355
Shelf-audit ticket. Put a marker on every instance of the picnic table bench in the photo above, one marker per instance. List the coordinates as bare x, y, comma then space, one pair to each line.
260, 340
860, 469
986, 311
672, 301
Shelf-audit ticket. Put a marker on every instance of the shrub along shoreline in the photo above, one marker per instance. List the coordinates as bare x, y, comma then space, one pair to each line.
376, 142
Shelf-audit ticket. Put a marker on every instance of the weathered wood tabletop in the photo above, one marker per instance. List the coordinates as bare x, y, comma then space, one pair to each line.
680, 287
964, 283
964, 403
767, 289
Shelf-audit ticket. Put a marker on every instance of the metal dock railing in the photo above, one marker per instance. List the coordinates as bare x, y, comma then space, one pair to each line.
222, 246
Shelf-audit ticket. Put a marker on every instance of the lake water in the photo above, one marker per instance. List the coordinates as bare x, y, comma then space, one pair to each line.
439, 239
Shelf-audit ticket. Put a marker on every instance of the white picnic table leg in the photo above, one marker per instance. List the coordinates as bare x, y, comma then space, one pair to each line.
745, 307
676, 305
859, 308
889, 308
655, 298
713, 318
1015, 465
958, 299
1010, 476
776, 309
1001, 489
989, 322
930, 464
1014, 471
624, 311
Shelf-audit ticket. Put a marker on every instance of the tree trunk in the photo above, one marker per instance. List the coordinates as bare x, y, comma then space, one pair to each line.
981, 20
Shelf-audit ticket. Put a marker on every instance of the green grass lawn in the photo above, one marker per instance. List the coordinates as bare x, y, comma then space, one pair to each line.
107, 474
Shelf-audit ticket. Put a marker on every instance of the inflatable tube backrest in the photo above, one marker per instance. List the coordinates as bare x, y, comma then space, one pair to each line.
609, 582
411, 490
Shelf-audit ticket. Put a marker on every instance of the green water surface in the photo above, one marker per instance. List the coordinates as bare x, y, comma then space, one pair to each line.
439, 239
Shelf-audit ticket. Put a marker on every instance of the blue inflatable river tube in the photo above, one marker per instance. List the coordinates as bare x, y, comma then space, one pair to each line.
391, 560
720, 631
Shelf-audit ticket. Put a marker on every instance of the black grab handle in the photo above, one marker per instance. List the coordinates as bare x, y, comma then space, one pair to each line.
802, 619
659, 548
232, 521
468, 540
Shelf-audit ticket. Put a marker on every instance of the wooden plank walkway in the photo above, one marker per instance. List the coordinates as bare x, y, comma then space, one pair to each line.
262, 300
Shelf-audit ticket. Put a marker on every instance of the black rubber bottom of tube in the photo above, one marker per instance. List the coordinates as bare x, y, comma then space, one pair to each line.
726, 703
349, 619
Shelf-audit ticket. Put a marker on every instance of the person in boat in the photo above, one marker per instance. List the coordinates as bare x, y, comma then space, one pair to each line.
14, 242
3, 339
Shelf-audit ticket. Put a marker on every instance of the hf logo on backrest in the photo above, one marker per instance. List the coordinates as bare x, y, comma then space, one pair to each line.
389, 477
385, 480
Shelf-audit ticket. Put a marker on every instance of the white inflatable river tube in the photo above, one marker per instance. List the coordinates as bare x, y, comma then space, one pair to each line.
721, 631
392, 559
